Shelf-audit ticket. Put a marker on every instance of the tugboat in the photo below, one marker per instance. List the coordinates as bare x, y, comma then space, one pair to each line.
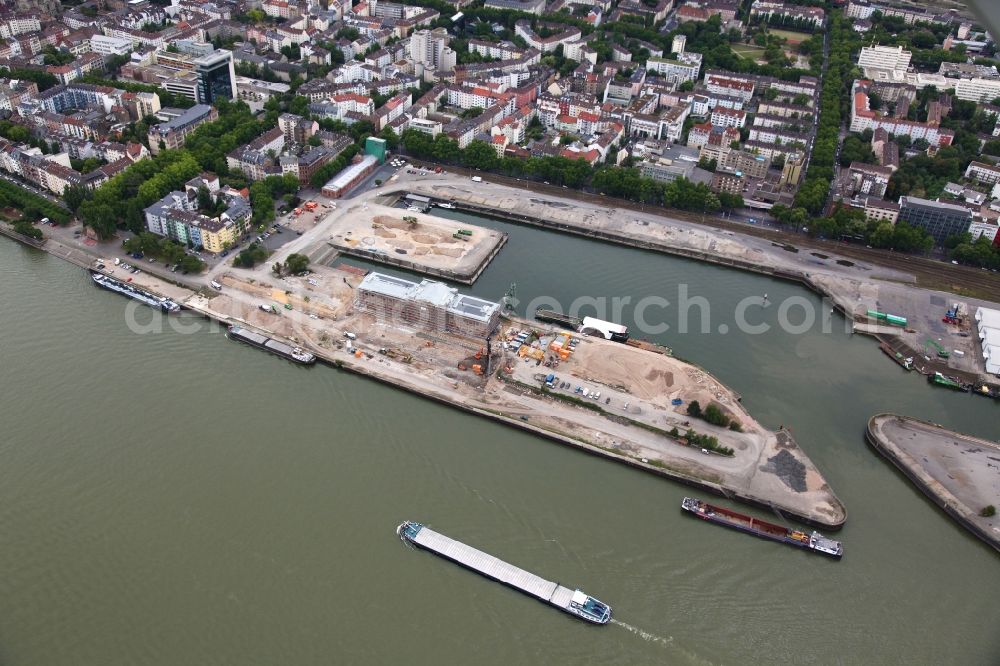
130, 290
721, 516
947, 382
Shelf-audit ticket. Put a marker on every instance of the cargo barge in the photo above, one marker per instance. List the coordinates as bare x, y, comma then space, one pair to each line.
553, 317
574, 602
721, 516
294, 354
136, 293
905, 362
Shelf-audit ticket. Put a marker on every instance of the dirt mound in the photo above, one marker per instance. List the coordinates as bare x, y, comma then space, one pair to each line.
655, 376
390, 222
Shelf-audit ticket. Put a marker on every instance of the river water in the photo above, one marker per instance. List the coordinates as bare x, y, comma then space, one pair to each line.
175, 498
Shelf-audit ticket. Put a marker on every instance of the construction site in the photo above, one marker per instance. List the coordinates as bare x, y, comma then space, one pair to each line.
414, 241
633, 403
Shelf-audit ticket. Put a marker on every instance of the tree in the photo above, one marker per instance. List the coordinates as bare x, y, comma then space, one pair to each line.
251, 256
133, 245
26, 229
75, 195
99, 217
296, 264
714, 415
694, 409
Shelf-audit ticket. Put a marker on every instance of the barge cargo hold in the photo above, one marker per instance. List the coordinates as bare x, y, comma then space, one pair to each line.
132, 291
294, 354
574, 602
553, 317
721, 516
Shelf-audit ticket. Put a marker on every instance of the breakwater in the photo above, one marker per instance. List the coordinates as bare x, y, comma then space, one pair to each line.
923, 452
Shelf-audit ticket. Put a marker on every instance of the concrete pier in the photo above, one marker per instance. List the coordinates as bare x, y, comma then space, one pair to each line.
418, 242
959, 473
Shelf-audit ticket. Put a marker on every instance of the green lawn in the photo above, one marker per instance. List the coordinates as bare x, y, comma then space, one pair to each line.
792, 37
747, 51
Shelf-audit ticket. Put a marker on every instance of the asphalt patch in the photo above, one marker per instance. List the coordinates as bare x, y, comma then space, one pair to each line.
787, 468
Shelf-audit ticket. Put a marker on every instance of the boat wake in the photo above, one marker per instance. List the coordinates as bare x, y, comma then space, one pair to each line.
644, 635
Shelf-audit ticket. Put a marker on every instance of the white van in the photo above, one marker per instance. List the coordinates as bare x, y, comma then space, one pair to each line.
216, 286
350, 336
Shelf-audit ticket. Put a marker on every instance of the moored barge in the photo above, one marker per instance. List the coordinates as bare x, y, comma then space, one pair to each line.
721, 516
134, 292
553, 317
277, 347
574, 602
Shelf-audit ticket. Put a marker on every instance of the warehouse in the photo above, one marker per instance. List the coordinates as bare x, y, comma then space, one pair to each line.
988, 326
337, 186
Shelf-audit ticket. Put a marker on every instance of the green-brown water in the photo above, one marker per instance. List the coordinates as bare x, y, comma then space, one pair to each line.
181, 499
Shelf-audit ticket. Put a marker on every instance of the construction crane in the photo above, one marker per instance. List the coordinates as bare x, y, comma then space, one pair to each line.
510, 298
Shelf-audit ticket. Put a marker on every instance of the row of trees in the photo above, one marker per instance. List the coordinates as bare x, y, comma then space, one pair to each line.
626, 183
981, 253
837, 78
851, 224
32, 206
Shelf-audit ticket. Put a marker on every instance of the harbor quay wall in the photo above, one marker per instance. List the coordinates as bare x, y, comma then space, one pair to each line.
654, 246
912, 470
468, 277
701, 484
349, 364
10, 233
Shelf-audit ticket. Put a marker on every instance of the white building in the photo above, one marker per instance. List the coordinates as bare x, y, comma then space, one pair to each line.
110, 46
978, 89
984, 173
988, 326
723, 117
882, 63
685, 68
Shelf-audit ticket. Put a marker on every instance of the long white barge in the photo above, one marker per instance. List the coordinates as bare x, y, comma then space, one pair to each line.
132, 291
574, 602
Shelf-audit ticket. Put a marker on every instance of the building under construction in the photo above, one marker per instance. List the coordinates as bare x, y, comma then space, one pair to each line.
426, 305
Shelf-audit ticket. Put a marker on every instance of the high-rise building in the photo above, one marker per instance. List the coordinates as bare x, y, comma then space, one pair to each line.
940, 220
430, 48
216, 76
680, 41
